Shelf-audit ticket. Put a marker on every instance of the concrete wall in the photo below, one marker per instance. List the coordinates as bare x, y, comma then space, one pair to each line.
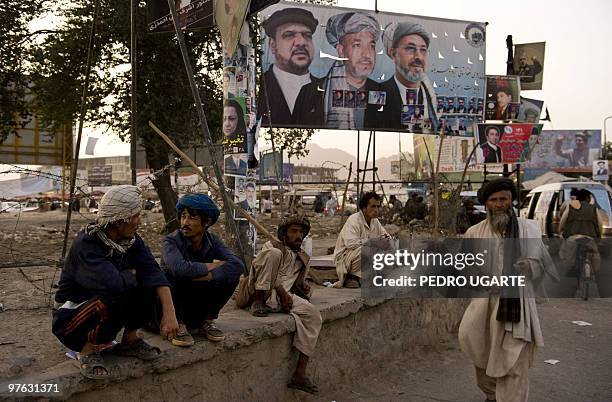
255, 363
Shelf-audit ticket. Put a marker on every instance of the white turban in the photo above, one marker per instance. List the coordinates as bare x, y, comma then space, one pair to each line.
395, 31
348, 23
119, 203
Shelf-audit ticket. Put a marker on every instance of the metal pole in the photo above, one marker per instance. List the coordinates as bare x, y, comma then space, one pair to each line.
365, 166
229, 220
357, 170
75, 162
133, 133
606, 138
374, 161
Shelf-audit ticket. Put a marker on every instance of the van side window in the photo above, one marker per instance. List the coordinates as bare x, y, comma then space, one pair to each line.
532, 207
544, 202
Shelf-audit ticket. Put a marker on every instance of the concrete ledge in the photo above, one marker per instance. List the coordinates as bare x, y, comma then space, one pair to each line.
256, 359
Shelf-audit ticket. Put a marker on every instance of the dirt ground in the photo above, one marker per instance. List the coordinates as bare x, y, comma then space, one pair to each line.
31, 245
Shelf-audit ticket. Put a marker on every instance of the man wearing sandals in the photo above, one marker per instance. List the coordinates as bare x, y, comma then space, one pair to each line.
281, 267
109, 282
203, 272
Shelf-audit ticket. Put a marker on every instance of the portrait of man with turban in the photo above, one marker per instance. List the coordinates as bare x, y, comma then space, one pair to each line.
407, 44
354, 35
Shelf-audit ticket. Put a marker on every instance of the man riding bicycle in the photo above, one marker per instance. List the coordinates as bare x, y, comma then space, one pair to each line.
580, 225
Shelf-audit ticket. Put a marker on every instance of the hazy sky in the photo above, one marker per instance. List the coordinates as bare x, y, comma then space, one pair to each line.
577, 83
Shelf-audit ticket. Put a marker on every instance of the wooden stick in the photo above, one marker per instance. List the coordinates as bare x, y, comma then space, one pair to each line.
211, 183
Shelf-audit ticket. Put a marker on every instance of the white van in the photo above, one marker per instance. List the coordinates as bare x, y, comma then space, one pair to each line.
543, 204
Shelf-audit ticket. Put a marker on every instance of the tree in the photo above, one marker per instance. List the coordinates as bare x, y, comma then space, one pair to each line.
162, 94
14, 38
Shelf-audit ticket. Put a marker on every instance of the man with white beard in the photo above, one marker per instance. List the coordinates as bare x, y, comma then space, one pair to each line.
407, 44
500, 333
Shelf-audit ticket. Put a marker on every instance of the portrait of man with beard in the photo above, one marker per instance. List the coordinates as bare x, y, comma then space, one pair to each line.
354, 35
407, 44
289, 33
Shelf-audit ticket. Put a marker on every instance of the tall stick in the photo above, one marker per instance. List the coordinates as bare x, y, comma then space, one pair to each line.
211, 184
229, 220
75, 162
348, 181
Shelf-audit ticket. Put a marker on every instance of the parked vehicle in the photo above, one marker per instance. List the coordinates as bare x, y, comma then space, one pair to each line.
543, 204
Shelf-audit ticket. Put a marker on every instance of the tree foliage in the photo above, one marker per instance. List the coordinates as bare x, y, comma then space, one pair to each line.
15, 38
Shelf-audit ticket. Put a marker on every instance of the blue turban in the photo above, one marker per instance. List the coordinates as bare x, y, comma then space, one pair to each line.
199, 202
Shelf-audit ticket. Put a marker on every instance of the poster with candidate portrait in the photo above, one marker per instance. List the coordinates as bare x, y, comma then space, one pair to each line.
529, 64
505, 143
530, 110
600, 170
565, 151
229, 17
317, 59
454, 154
192, 14
503, 97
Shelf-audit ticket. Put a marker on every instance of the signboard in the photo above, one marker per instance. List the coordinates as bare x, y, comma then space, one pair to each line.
36, 146
600, 170
358, 69
193, 14
503, 97
566, 151
267, 170
453, 157
529, 64
505, 143
530, 110
99, 176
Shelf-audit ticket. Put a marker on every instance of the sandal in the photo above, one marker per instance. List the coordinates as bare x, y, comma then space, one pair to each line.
306, 386
89, 363
139, 349
259, 309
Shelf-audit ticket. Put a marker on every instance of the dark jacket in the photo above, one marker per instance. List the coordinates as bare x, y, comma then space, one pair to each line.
279, 109
582, 221
89, 271
180, 260
491, 155
391, 115
309, 108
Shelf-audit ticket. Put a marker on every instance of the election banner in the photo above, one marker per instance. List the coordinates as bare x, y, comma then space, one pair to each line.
505, 143
339, 68
453, 156
566, 151
192, 14
529, 64
503, 97
530, 110
600, 170
229, 17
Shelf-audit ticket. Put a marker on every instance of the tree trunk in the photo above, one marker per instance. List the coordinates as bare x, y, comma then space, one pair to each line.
157, 158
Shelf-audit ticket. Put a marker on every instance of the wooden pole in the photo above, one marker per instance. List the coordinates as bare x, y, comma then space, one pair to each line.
211, 183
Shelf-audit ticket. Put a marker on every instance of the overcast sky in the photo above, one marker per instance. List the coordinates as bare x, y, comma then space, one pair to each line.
577, 84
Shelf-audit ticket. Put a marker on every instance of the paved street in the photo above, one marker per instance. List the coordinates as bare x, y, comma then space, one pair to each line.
582, 374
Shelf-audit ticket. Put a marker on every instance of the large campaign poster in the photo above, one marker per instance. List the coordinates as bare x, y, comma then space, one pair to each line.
566, 151
192, 14
453, 155
505, 143
339, 68
529, 64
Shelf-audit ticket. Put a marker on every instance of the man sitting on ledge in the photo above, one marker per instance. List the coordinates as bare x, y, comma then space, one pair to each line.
358, 229
109, 282
282, 267
203, 272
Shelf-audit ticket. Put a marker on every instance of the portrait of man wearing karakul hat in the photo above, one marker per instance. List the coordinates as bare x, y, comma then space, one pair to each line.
289, 33
407, 44
354, 36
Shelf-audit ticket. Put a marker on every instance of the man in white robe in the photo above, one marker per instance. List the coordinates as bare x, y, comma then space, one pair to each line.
359, 228
502, 350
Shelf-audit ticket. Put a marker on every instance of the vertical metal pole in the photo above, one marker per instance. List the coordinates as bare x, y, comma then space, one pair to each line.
357, 170
133, 133
229, 220
518, 188
374, 161
75, 162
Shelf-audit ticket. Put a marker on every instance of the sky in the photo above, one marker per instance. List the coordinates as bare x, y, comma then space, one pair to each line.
577, 83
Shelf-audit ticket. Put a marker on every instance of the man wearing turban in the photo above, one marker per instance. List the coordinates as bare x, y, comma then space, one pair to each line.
280, 269
354, 35
109, 282
407, 44
500, 333
203, 272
